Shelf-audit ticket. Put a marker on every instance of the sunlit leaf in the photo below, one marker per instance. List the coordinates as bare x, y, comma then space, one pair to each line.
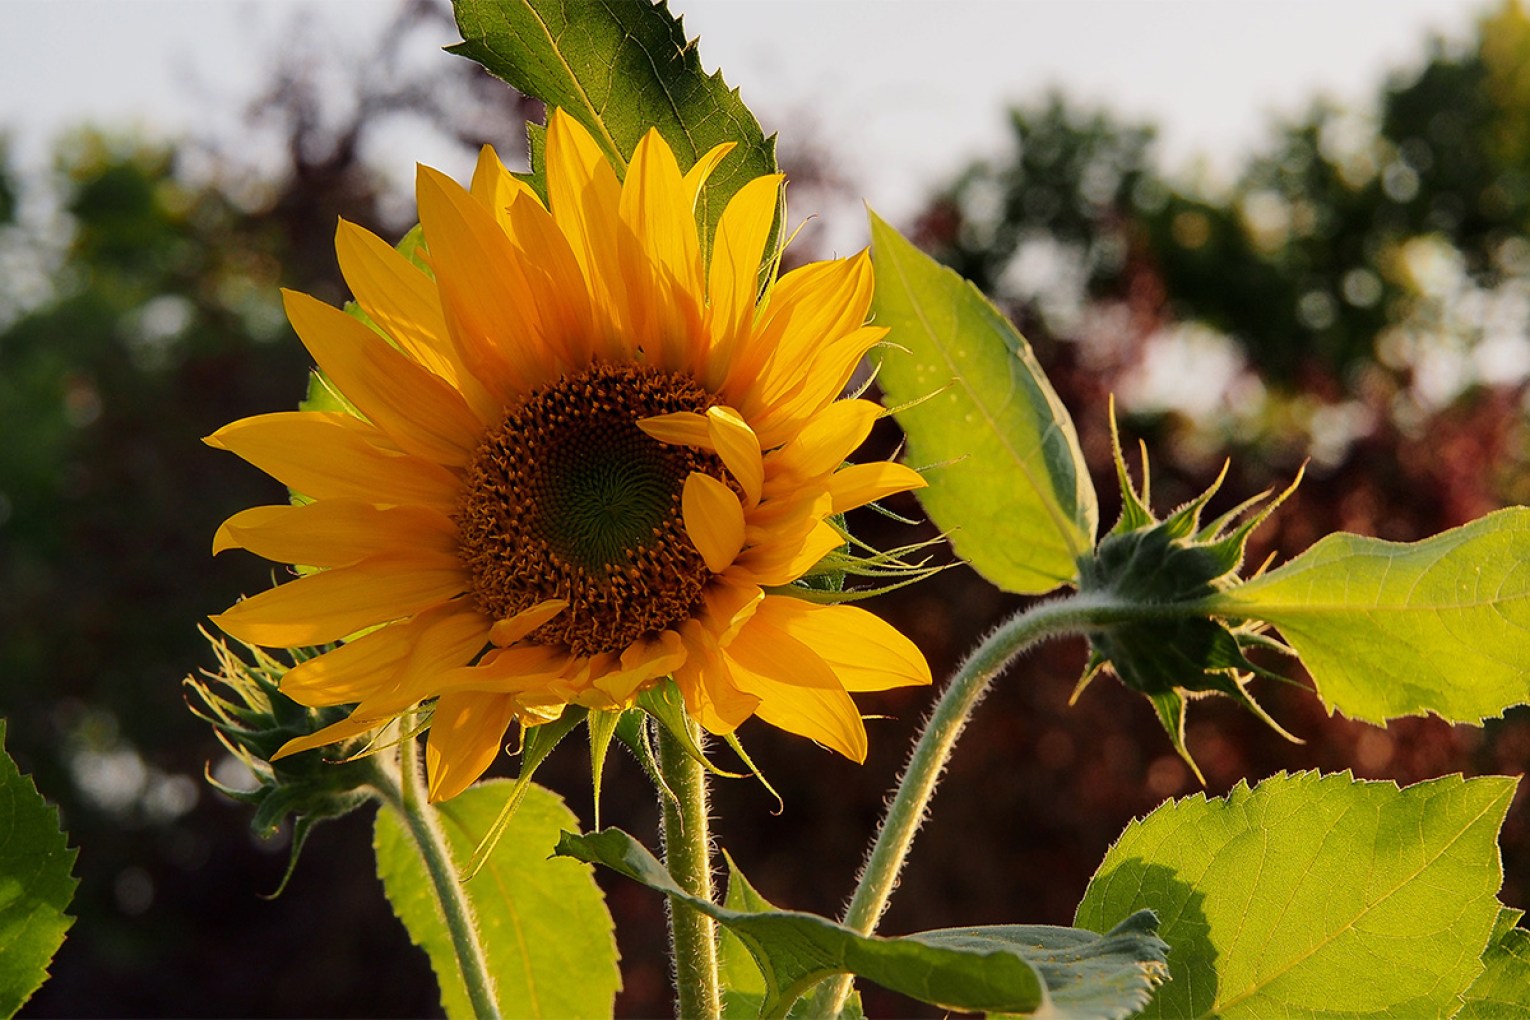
1390, 629
1502, 992
1007, 969
1314, 896
542, 919
620, 68
1007, 478
36, 885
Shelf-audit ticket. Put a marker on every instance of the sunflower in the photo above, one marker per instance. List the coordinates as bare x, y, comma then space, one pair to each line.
582, 458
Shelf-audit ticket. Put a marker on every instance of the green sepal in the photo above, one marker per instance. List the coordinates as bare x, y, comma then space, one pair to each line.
602, 726
253, 719
537, 743
666, 705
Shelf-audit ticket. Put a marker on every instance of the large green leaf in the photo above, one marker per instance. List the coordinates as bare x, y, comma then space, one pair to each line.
1314, 896
1007, 969
36, 885
1007, 477
543, 919
1390, 629
1502, 992
620, 68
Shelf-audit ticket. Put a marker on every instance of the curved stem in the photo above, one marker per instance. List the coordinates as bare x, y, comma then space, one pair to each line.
404, 791
688, 855
911, 797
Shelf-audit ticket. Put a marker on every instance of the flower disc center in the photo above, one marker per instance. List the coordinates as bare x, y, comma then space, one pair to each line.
568, 499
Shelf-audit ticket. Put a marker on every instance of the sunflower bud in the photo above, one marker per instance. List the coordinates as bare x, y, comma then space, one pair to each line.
1176, 562
253, 719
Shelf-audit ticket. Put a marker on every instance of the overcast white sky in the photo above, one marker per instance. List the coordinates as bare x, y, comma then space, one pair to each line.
903, 92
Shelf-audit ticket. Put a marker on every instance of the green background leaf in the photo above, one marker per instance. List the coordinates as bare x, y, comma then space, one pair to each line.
1502, 992
36, 885
620, 68
1007, 477
1389, 629
1314, 895
543, 919
1004, 969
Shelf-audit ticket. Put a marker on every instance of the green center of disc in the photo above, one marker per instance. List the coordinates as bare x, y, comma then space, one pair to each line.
568, 499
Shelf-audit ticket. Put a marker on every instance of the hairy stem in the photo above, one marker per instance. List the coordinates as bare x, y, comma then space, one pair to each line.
403, 789
688, 856
911, 797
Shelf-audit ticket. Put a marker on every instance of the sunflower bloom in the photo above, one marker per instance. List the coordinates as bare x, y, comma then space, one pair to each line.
583, 460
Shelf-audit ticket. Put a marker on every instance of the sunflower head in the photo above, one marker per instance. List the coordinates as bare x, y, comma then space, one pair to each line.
575, 455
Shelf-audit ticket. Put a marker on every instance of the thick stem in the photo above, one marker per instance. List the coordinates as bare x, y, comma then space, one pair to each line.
688, 855
404, 791
911, 797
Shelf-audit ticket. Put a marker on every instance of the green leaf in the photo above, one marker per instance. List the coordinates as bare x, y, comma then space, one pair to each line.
620, 68
1007, 477
1006, 969
36, 885
542, 919
1389, 629
1503, 990
1314, 896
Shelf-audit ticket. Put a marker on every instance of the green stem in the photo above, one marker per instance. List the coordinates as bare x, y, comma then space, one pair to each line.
911, 797
688, 855
404, 791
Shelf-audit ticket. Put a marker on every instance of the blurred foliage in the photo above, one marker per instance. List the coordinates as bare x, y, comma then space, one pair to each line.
138, 312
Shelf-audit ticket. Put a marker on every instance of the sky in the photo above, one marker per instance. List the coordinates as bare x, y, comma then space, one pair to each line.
901, 92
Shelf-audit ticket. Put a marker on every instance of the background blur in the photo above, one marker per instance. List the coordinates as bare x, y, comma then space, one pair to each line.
1348, 285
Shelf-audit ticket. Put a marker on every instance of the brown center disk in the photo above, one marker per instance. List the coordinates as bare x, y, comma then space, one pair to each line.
567, 498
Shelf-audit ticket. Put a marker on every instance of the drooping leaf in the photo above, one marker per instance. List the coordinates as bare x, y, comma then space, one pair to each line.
542, 919
1007, 477
1006, 969
1390, 629
1502, 992
1313, 896
620, 68
36, 885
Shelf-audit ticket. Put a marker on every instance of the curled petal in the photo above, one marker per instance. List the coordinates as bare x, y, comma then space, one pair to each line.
714, 520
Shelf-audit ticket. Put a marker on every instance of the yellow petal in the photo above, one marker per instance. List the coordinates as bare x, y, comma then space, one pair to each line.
487, 303
509, 631
771, 566
733, 280
496, 187
555, 282
679, 428
399, 297
584, 194
705, 681
641, 662
329, 455
827, 439
332, 604
860, 484
714, 520
334, 532
388, 670
467, 732
418, 410
696, 177
825, 713
660, 256
812, 305
739, 448
353, 726
831, 369
508, 671
727, 605
865, 652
